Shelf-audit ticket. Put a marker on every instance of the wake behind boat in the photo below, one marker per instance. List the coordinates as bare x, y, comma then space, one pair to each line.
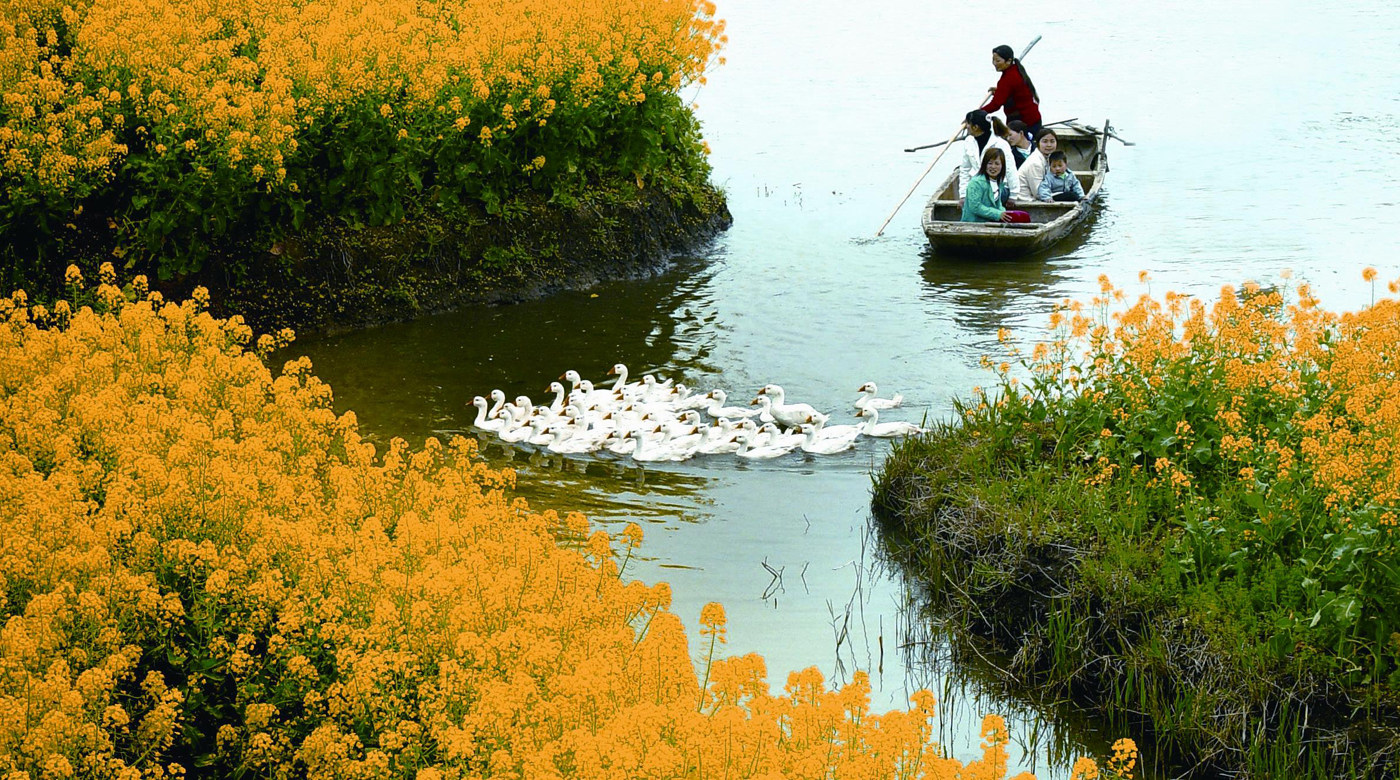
1049, 223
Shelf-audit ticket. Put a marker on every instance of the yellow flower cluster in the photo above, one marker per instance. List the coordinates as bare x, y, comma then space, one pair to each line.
200, 559
1254, 359
238, 82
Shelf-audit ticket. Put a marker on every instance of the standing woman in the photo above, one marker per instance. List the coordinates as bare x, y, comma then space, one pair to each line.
1014, 90
987, 192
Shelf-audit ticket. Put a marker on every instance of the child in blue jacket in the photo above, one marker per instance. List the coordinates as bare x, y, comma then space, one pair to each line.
1058, 183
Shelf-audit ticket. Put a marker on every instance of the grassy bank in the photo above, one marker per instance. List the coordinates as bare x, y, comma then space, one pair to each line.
1182, 516
244, 144
205, 571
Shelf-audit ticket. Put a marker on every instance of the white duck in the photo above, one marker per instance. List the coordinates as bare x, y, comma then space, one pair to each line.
751, 451
557, 405
687, 419
580, 421
790, 415
868, 400
577, 442
685, 399
498, 400
539, 427
716, 408
890, 430
522, 407
828, 446
724, 437
653, 450
824, 431
620, 384
481, 420
779, 436
598, 398
514, 430
654, 391
624, 442
685, 443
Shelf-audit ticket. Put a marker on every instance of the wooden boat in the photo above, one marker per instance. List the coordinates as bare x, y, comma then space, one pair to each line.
1049, 223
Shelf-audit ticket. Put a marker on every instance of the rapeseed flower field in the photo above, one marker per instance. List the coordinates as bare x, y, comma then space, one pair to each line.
158, 128
1185, 512
204, 570
1266, 427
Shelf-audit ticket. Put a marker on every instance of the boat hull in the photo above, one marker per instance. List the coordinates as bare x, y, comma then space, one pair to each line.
1050, 222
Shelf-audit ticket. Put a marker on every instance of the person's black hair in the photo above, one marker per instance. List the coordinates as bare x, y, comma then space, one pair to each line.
1044, 131
1009, 54
1018, 126
987, 156
1057, 155
998, 128
978, 118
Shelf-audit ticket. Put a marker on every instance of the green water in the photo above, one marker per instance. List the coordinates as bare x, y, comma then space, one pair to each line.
1265, 141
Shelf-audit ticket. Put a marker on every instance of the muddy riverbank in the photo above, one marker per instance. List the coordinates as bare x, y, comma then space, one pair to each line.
336, 277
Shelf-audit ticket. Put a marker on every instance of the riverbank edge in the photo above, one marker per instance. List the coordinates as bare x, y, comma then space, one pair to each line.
334, 276
1003, 588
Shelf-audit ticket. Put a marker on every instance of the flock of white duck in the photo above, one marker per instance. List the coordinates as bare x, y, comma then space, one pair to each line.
652, 420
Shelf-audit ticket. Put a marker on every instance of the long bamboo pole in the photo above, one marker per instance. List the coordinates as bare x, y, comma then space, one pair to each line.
948, 145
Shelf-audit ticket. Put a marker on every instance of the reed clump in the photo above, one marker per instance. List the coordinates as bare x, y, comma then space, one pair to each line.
204, 570
1184, 514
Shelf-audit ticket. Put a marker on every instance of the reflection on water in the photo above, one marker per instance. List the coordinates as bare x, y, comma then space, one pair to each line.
600, 487
419, 377
968, 679
988, 295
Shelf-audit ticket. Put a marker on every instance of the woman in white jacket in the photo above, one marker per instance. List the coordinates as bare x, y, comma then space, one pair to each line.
979, 140
1033, 170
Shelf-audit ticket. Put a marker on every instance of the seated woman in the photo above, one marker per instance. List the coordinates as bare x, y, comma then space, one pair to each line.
1033, 170
978, 134
1059, 184
988, 193
1018, 137
979, 139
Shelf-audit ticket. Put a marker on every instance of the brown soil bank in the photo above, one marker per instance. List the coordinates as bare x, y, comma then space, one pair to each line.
1019, 567
334, 276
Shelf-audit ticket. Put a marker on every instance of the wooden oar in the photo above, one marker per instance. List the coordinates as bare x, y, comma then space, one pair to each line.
1111, 134
946, 146
940, 143
928, 146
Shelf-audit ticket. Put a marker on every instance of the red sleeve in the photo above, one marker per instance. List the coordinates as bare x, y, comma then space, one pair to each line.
1004, 89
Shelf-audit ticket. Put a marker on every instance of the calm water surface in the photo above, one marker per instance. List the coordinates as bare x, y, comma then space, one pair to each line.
1266, 140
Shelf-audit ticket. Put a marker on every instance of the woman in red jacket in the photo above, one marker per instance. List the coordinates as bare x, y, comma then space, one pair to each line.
1014, 90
